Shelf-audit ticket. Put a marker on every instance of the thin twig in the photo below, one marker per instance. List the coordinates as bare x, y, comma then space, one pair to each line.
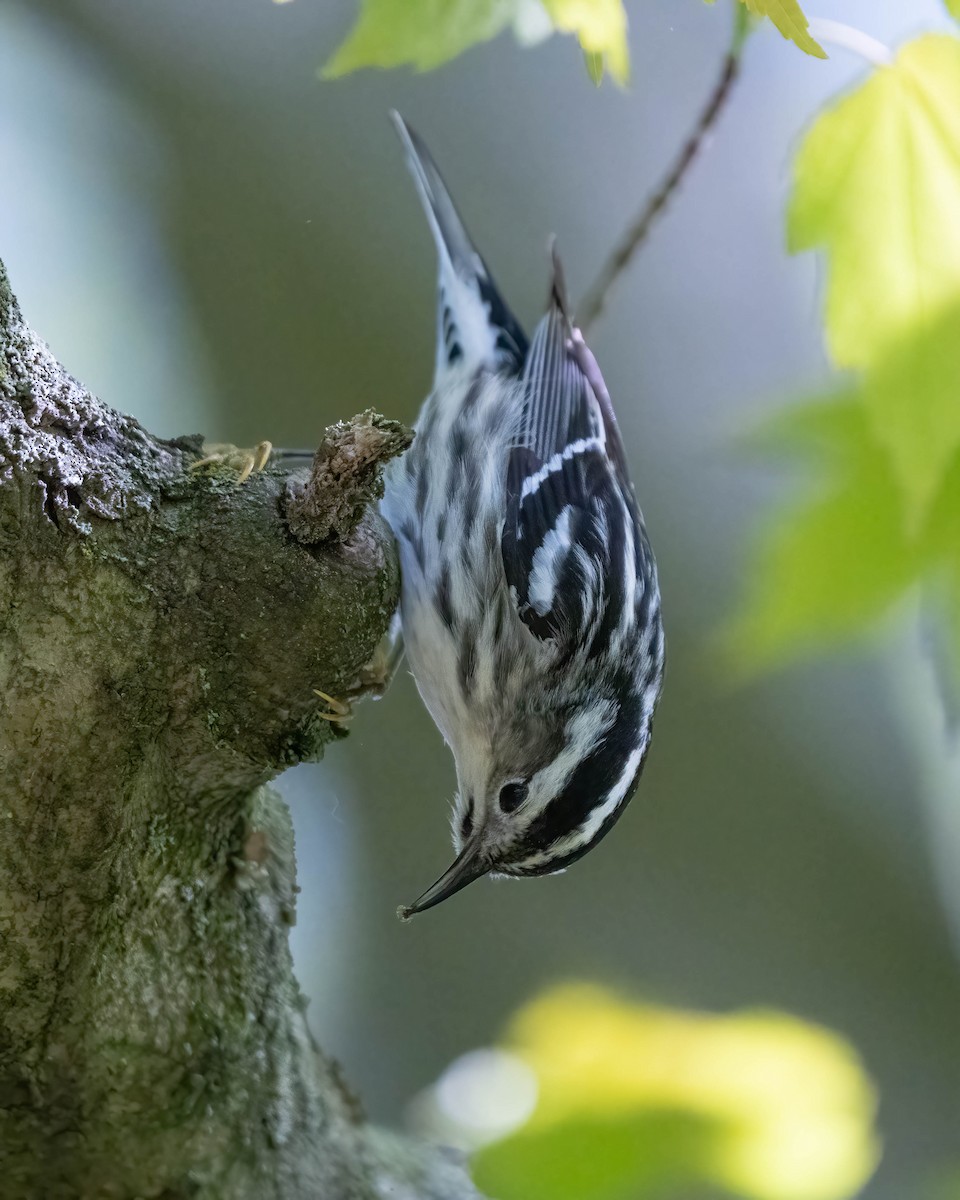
636, 234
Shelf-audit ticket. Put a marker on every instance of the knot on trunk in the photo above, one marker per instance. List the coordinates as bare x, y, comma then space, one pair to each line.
346, 477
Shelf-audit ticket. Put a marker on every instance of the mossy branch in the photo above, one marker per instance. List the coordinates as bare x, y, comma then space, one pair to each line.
163, 632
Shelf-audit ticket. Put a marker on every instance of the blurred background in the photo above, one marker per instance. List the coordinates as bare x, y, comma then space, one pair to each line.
215, 241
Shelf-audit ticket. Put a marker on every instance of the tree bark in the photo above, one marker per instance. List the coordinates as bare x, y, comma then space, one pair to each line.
163, 631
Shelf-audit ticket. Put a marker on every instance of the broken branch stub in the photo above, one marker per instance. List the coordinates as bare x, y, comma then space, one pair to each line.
346, 477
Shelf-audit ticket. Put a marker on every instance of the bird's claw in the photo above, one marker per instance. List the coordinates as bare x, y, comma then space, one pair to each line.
341, 711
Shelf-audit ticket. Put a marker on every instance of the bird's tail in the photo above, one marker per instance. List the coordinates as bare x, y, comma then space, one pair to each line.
474, 325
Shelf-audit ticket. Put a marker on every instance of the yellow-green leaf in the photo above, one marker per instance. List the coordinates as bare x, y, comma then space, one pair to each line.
953, 8
601, 26
787, 16
425, 33
878, 188
877, 185
635, 1099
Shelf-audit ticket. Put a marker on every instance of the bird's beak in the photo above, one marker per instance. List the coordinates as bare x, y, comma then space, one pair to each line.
470, 864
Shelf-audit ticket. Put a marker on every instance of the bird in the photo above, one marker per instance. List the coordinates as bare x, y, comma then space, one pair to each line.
530, 607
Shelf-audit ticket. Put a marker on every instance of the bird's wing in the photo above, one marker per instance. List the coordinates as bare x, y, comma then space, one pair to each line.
475, 328
571, 536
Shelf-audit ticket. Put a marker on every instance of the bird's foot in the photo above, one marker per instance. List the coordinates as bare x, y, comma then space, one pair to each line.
233, 458
372, 679
377, 675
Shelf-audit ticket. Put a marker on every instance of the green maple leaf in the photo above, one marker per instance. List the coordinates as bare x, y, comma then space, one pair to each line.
877, 185
877, 188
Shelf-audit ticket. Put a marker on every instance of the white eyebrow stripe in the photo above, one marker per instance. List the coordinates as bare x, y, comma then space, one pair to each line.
582, 733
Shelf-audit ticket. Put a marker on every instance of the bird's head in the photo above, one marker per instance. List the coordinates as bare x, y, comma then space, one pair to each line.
543, 793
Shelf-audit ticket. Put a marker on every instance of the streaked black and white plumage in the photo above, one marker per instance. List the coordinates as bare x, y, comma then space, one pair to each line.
530, 607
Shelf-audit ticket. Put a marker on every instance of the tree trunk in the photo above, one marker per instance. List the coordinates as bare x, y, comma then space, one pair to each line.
163, 634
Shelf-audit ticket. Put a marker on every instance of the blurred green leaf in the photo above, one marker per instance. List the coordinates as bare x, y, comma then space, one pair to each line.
601, 1159
601, 26
912, 396
877, 185
426, 33
421, 33
594, 64
788, 17
636, 1100
826, 569
953, 8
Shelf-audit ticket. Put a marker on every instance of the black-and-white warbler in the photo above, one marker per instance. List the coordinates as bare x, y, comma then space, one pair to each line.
530, 607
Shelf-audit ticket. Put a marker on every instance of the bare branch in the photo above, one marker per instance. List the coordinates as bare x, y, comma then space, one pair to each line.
622, 255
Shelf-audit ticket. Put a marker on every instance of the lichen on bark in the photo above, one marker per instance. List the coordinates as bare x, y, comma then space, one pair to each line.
161, 637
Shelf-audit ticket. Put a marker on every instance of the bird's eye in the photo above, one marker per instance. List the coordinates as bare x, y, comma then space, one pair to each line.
466, 821
512, 795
